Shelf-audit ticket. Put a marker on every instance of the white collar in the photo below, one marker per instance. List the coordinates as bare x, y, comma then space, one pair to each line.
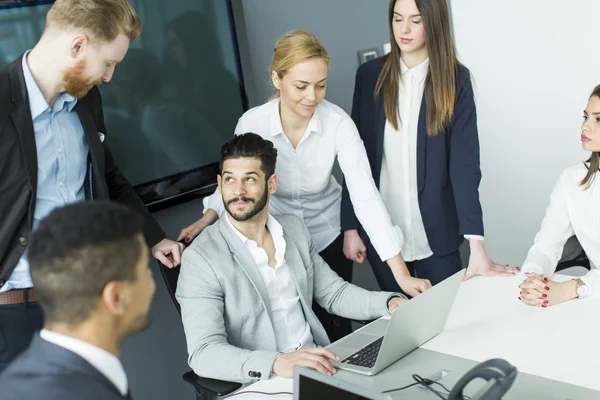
314, 125
106, 363
276, 231
419, 71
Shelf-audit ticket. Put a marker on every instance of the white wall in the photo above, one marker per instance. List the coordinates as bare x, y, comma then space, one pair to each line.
534, 64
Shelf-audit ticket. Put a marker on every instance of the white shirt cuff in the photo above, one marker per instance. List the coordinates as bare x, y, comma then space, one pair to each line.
476, 237
592, 280
389, 244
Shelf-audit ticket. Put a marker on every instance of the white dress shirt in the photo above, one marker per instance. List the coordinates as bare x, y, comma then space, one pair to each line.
292, 331
106, 363
307, 187
398, 179
572, 210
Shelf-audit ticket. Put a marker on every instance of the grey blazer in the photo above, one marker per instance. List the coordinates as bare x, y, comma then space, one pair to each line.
50, 372
225, 305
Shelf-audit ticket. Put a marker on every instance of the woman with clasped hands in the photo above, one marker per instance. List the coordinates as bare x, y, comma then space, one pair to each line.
574, 209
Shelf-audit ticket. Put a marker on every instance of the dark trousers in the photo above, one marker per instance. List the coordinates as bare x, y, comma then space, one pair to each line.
434, 268
18, 324
335, 326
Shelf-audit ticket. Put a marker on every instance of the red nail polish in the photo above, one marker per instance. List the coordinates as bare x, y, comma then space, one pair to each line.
187, 239
545, 279
519, 298
543, 305
545, 301
544, 295
546, 287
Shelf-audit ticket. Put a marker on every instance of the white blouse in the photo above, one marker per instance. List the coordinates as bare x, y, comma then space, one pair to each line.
572, 210
398, 179
307, 187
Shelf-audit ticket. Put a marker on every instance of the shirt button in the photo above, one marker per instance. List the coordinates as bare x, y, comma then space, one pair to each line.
22, 242
59, 150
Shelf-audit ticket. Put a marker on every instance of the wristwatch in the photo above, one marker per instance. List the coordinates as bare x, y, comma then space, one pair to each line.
583, 290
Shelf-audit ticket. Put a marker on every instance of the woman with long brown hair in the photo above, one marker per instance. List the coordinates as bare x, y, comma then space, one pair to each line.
415, 112
574, 210
309, 134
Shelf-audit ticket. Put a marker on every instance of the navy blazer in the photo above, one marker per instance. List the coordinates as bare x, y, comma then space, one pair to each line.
448, 172
50, 372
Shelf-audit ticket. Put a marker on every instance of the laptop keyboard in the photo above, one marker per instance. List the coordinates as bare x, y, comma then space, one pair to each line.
366, 356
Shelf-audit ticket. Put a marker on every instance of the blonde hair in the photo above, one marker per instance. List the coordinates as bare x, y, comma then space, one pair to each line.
295, 47
104, 20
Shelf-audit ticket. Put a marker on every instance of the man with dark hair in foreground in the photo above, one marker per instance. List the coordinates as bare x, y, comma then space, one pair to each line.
89, 264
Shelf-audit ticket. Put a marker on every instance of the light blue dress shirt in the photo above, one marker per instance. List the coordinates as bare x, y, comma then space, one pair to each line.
62, 157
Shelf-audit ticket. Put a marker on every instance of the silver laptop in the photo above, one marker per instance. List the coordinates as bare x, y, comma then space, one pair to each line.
384, 341
313, 385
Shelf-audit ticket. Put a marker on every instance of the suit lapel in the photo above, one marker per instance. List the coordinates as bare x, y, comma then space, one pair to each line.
379, 137
245, 261
91, 135
296, 267
422, 144
23, 123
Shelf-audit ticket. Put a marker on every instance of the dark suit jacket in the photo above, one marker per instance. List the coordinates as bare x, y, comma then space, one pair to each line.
448, 172
50, 372
18, 167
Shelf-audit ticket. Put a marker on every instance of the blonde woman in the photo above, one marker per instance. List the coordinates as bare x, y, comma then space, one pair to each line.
310, 133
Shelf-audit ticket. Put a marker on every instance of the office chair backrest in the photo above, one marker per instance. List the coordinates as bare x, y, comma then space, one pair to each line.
579, 261
170, 276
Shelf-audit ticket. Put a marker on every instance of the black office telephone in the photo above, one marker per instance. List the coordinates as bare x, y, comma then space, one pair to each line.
499, 375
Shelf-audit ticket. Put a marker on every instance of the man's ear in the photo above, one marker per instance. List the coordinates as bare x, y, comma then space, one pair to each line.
113, 298
273, 182
78, 45
219, 182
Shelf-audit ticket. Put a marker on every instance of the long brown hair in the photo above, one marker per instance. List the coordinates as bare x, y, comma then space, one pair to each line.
593, 163
440, 84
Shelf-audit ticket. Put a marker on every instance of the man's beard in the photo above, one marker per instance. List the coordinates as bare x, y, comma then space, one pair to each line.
76, 84
258, 206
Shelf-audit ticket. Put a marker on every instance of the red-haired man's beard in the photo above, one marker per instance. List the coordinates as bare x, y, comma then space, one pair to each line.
76, 84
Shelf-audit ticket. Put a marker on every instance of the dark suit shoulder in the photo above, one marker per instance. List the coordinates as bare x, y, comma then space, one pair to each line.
21, 385
32, 374
463, 75
92, 99
368, 73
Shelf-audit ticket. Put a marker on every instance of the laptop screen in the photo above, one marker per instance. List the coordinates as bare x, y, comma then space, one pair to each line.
311, 389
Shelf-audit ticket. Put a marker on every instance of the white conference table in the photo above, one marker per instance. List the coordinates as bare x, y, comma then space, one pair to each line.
488, 321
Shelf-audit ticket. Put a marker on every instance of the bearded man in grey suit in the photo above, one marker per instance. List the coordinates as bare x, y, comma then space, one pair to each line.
247, 282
